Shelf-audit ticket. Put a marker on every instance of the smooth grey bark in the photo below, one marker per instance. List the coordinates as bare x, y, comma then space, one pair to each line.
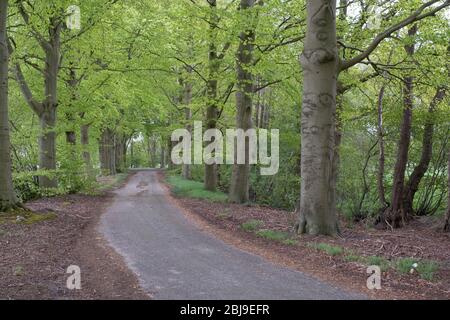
240, 176
186, 170
338, 125
212, 111
320, 66
447, 216
47, 141
8, 199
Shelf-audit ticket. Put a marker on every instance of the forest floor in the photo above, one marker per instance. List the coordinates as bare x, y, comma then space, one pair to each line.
341, 261
61, 231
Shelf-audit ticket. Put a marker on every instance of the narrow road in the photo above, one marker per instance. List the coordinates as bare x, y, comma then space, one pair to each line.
173, 259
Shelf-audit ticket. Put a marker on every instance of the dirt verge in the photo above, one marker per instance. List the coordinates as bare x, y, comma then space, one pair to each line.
35, 257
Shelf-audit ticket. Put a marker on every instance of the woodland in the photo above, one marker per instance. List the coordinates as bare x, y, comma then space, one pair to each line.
358, 89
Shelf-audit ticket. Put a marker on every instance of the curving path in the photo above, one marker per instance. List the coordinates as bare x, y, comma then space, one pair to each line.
173, 259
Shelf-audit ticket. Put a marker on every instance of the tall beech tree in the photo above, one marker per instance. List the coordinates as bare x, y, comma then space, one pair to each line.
215, 58
239, 187
8, 197
321, 67
45, 109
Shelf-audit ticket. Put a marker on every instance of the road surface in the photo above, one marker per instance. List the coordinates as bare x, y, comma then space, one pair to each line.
173, 259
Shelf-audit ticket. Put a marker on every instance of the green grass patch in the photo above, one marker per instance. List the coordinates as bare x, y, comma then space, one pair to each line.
290, 242
425, 268
383, 263
328, 248
252, 225
223, 215
194, 189
274, 235
22, 216
351, 257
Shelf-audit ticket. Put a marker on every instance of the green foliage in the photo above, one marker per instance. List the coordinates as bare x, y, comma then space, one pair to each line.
27, 186
71, 181
72, 176
194, 189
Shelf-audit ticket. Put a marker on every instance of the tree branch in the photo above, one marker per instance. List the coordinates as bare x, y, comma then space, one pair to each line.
37, 107
416, 16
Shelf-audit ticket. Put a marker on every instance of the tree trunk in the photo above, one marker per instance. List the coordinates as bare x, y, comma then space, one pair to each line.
71, 137
187, 99
447, 216
119, 148
84, 138
239, 187
47, 140
107, 152
381, 155
258, 105
425, 159
320, 66
153, 151
163, 155
169, 161
47, 147
337, 143
212, 110
395, 215
8, 199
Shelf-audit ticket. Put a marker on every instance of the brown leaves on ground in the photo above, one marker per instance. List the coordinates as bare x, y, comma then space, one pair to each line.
34, 257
